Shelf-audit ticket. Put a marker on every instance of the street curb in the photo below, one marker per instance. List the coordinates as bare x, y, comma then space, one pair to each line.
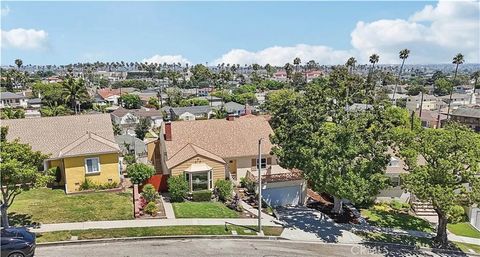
111, 240
419, 248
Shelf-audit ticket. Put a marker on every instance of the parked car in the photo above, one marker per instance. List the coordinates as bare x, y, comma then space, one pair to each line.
17, 242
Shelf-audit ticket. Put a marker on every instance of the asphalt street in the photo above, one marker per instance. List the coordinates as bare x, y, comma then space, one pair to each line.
223, 247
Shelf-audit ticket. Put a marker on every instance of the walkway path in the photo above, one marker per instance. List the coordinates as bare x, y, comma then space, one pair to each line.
167, 205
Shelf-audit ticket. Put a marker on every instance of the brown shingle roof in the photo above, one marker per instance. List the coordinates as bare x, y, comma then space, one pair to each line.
190, 151
223, 138
65, 135
120, 112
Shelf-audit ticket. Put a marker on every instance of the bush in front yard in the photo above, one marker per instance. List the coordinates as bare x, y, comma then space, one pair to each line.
178, 188
88, 185
224, 189
399, 206
139, 172
151, 208
149, 193
202, 196
456, 214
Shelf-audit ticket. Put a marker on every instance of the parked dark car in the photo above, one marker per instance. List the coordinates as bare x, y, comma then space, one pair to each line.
17, 242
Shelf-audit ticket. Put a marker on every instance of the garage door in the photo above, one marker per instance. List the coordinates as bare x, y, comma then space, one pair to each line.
282, 196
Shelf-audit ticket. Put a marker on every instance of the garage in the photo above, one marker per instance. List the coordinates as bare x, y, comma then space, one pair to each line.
283, 195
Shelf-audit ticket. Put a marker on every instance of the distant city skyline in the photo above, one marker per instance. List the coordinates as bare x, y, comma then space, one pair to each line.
234, 32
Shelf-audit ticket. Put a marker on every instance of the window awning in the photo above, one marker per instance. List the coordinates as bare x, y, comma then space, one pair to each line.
198, 167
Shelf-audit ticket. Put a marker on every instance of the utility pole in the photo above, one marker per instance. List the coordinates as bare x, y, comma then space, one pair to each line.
259, 163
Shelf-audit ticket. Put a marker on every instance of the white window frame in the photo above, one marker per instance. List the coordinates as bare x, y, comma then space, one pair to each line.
210, 179
86, 166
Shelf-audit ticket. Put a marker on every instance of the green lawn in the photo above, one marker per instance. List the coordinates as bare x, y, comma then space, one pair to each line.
391, 219
464, 229
395, 239
45, 205
203, 210
467, 247
150, 231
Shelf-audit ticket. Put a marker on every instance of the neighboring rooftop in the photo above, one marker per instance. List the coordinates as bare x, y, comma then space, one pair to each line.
10, 95
195, 110
189, 151
63, 136
472, 112
233, 107
142, 112
133, 144
221, 137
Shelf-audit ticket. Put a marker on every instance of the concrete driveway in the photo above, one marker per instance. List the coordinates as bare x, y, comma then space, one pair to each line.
302, 223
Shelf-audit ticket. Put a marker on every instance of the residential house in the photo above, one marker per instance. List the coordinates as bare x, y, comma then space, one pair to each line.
459, 99
431, 119
280, 76
12, 100
129, 118
205, 151
430, 102
234, 108
212, 100
81, 146
469, 116
313, 74
131, 145
189, 112
109, 95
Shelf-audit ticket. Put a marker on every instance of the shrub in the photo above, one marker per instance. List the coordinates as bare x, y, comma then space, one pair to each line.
456, 214
108, 185
151, 208
202, 196
139, 172
399, 206
149, 193
178, 188
224, 189
88, 185
129, 159
248, 184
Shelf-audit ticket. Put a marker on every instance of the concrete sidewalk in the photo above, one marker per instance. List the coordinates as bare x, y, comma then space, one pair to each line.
147, 223
463, 239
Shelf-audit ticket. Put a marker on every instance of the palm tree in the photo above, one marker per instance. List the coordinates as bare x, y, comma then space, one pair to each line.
475, 76
288, 70
403, 55
374, 58
73, 91
297, 62
19, 63
457, 60
350, 65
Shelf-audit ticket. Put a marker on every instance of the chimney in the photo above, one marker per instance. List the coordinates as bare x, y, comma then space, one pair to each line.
231, 117
168, 131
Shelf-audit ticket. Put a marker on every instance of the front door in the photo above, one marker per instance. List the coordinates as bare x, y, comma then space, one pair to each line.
232, 168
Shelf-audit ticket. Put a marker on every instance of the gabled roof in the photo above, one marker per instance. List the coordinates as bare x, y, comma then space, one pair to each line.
64, 135
472, 112
142, 112
227, 139
87, 144
233, 107
202, 109
10, 95
107, 92
189, 151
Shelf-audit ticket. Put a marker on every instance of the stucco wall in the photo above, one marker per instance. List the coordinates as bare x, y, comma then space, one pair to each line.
75, 171
218, 169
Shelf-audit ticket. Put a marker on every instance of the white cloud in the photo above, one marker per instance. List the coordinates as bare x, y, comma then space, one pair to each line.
5, 11
169, 59
26, 39
434, 35
279, 55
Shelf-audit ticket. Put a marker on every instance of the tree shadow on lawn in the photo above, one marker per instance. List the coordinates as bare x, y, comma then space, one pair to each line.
21, 219
314, 222
399, 220
403, 250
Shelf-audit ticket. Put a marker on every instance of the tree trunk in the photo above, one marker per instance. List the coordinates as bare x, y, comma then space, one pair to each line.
337, 205
441, 237
5, 222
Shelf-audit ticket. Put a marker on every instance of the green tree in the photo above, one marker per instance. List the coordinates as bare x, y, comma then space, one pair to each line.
130, 101
278, 102
475, 77
342, 155
9, 113
20, 171
142, 128
54, 110
139, 172
442, 87
174, 96
18, 63
447, 176
297, 62
117, 130
50, 93
74, 90
403, 56
457, 60
153, 101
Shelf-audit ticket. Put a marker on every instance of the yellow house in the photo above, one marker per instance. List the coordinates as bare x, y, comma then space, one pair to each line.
81, 146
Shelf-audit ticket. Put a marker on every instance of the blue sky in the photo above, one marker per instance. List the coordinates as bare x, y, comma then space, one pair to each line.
65, 32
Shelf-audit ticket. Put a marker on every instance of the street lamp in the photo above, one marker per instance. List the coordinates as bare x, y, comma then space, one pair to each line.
259, 163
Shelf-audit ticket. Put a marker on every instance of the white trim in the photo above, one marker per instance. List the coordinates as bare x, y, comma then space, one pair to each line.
209, 178
86, 167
